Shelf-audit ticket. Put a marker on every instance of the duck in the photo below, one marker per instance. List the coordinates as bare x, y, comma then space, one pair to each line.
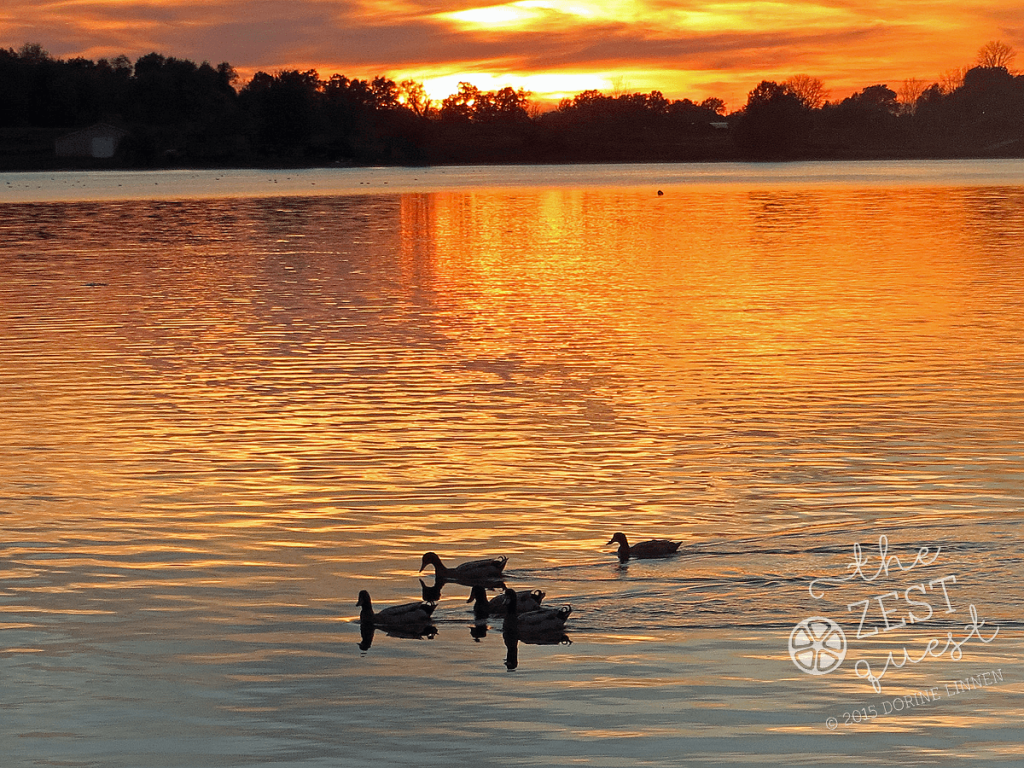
645, 550
408, 616
472, 573
481, 606
498, 606
536, 623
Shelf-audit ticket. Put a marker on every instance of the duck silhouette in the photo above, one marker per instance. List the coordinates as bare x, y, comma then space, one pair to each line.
483, 572
527, 600
644, 550
410, 616
539, 626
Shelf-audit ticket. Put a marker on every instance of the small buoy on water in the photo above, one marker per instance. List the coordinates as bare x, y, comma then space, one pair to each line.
660, 193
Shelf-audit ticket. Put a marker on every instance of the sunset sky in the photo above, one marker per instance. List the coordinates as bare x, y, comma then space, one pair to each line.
553, 48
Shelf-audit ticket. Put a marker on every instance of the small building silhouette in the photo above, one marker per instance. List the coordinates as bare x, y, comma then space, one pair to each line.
99, 140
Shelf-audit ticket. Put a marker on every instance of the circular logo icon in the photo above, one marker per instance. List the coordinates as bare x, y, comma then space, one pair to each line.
817, 645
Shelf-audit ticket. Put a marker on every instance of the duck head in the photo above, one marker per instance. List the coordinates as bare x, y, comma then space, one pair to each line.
430, 558
623, 552
620, 539
511, 599
366, 614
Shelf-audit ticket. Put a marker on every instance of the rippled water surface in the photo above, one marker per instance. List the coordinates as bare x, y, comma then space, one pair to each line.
225, 414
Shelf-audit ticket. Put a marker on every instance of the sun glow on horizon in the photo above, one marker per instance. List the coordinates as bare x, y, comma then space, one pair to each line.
543, 87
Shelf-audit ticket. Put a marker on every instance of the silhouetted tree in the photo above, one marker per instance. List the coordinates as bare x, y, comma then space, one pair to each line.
875, 98
33, 53
385, 93
712, 104
865, 123
285, 108
169, 91
458, 108
414, 96
775, 122
995, 55
506, 105
810, 90
990, 97
952, 79
910, 91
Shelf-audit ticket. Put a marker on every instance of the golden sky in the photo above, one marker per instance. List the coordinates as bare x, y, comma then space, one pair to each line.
683, 48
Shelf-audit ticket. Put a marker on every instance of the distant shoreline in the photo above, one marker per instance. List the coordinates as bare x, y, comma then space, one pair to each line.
645, 179
1011, 150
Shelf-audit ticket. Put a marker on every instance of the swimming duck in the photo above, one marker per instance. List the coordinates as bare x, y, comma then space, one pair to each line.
471, 573
498, 606
526, 601
410, 615
481, 607
645, 550
538, 622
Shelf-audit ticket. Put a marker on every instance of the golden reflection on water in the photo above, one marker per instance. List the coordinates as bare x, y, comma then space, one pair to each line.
224, 417
267, 340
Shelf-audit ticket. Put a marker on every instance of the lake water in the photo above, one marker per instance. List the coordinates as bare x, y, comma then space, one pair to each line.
231, 400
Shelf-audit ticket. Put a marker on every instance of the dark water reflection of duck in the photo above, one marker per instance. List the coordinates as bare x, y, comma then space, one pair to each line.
511, 649
478, 631
367, 631
512, 638
432, 594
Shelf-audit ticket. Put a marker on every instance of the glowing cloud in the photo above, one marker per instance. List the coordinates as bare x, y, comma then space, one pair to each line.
526, 14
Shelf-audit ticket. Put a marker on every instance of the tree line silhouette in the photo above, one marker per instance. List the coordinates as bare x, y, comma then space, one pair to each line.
178, 112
